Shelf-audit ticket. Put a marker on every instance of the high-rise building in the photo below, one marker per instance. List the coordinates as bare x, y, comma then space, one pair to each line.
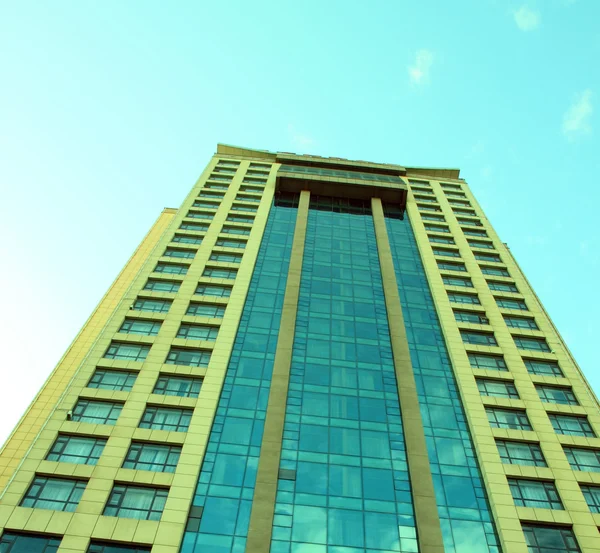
311, 355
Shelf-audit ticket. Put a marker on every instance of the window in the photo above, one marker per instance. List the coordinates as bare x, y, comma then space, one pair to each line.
448, 266
185, 239
166, 418
217, 197
472, 232
154, 457
127, 352
11, 542
139, 326
224, 243
136, 502
429, 208
457, 281
469, 222
426, 199
520, 322
521, 453
205, 310
241, 207
205, 205
481, 244
171, 385
228, 163
502, 286
226, 257
80, 450
96, 412
507, 418
459, 203
171, 268
583, 459
457, 297
220, 177
473, 317
193, 227
106, 379
497, 388
592, 497
489, 257
215, 186
436, 228
154, 306
467, 212
571, 425
546, 539
189, 357
555, 394
494, 271
446, 253
534, 344
58, 494
251, 189
478, 338
533, 493
241, 231
418, 182
162, 285
99, 547
488, 362
243, 198
542, 368
441, 240
423, 190
508, 303
181, 254
225, 169
240, 219
427, 217
192, 214
197, 332
213, 290
219, 273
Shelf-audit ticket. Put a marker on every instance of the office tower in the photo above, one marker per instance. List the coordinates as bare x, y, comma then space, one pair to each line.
312, 355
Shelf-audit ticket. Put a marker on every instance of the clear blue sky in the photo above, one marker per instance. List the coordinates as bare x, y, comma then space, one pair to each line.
110, 110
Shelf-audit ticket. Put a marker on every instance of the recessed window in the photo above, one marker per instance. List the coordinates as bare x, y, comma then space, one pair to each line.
12, 542
214, 272
469, 222
556, 394
153, 457
162, 285
80, 450
241, 231
245, 198
251, 189
502, 286
220, 177
473, 317
106, 379
457, 297
186, 239
437, 228
423, 190
100, 547
216, 186
213, 290
130, 501
193, 214
127, 352
428, 217
426, 199
96, 412
478, 338
592, 497
533, 493
429, 208
481, 244
494, 271
153, 306
189, 357
205, 310
195, 227
489, 257
171, 268
217, 197
542, 368
546, 539
241, 207
448, 266
240, 219
466, 212
571, 425
446, 252
473, 232
459, 203
418, 182
583, 459
223, 169
205, 205
228, 163
181, 386
487, 362
225, 243
226, 257
58, 494
509, 303
441, 240
166, 418
141, 327
507, 418
497, 388
179, 253
520, 322
521, 453
197, 332
533, 344
457, 281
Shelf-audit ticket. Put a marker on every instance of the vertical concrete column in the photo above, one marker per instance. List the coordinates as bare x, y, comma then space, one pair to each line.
263, 506
429, 531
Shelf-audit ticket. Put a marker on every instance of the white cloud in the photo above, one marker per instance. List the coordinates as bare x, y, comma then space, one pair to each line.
526, 19
576, 121
419, 72
300, 140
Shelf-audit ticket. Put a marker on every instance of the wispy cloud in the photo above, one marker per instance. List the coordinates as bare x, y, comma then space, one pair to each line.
576, 121
299, 139
526, 19
419, 72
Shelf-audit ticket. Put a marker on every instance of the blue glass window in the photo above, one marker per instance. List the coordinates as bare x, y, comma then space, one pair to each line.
81, 450
12, 542
59, 494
